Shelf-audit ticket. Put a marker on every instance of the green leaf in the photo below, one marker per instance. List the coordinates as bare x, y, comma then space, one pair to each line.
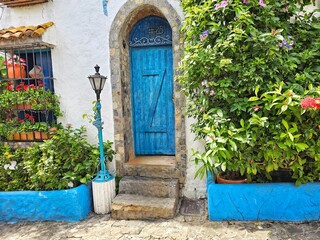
291, 136
233, 145
284, 108
285, 124
251, 99
257, 90
242, 123
301, 146
269, 167
224, 166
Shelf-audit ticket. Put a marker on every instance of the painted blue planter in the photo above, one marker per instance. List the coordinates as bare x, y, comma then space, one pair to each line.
269, 201
61, 205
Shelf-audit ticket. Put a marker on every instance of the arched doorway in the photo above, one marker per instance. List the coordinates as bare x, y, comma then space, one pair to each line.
151, 71
126, 18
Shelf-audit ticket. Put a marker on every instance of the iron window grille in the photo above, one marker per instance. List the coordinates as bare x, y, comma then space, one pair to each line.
28, 103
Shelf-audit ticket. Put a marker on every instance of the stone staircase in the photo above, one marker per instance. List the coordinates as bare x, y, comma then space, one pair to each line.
147, 192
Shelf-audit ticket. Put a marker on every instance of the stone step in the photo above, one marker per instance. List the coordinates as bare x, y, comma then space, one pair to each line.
131, 206
152, 187
152, 166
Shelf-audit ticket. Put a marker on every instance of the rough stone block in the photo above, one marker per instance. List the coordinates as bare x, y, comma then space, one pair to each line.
129, 206
153, 187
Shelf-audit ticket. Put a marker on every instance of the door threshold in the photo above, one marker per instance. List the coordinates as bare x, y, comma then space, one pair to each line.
157, 160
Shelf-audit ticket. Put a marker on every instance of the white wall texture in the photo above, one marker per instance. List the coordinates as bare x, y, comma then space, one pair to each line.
80, 35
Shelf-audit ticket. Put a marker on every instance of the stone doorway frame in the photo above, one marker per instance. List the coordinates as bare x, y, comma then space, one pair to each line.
128, 15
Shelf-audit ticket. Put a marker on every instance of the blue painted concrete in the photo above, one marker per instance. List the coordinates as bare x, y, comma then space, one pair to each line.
268, 201
62, 205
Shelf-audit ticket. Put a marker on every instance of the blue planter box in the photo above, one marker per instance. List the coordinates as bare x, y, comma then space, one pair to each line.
61, 205
269, 201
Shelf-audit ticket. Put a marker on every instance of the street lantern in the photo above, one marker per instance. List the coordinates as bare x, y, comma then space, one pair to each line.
97, 82
103, 185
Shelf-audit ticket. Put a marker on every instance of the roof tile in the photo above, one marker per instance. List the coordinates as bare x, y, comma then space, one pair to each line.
21, 32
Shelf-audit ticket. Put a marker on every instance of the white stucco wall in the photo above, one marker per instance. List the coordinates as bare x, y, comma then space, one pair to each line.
80, 35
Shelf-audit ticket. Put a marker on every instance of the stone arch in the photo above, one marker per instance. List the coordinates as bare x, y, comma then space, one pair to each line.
127, 16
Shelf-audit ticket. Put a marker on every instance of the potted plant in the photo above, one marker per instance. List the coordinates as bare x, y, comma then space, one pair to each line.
29, 97
231, 55
51, 177
247, 66
41, 131
15, 67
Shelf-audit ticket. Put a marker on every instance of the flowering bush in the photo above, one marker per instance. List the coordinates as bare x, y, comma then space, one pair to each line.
247, 48
65, 160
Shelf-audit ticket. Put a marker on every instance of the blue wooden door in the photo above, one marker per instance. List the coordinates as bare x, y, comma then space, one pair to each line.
152, 90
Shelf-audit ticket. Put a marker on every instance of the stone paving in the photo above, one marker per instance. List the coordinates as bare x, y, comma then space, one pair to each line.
97, 227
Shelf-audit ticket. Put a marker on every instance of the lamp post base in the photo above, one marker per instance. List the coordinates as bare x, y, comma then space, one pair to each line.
103, 176
103, 194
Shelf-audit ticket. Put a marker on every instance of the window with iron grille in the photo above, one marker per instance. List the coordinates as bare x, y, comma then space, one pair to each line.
28, 104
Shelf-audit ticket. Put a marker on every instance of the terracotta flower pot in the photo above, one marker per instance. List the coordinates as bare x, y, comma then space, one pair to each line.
41, 135
222, 180
28, 136
16, 71
23, 106
16, 137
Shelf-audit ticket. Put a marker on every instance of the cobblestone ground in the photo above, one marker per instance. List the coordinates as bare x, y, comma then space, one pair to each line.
102, 227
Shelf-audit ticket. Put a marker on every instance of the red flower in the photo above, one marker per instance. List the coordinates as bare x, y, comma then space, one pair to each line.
9, 87
308, 102
25, 87
40, 84
317, 103
27, 115
251, 161
20, 120
31, 118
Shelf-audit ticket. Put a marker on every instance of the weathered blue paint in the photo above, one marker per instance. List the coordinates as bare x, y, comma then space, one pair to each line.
269, 201
151, 31
62, 205
105, 8
152, 90
103, 174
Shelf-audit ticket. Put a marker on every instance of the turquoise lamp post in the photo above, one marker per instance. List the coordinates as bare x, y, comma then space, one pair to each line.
97, 82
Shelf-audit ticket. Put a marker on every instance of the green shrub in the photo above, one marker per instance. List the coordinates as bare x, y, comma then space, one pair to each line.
63, 161
235, 50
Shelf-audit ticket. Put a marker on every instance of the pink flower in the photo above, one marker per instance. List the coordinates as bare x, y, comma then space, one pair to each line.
224, 4
212, 92
256, 108
245, 2
261, 2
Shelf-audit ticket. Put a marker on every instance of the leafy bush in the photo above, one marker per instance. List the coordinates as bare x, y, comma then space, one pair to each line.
235, 50
63, 161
